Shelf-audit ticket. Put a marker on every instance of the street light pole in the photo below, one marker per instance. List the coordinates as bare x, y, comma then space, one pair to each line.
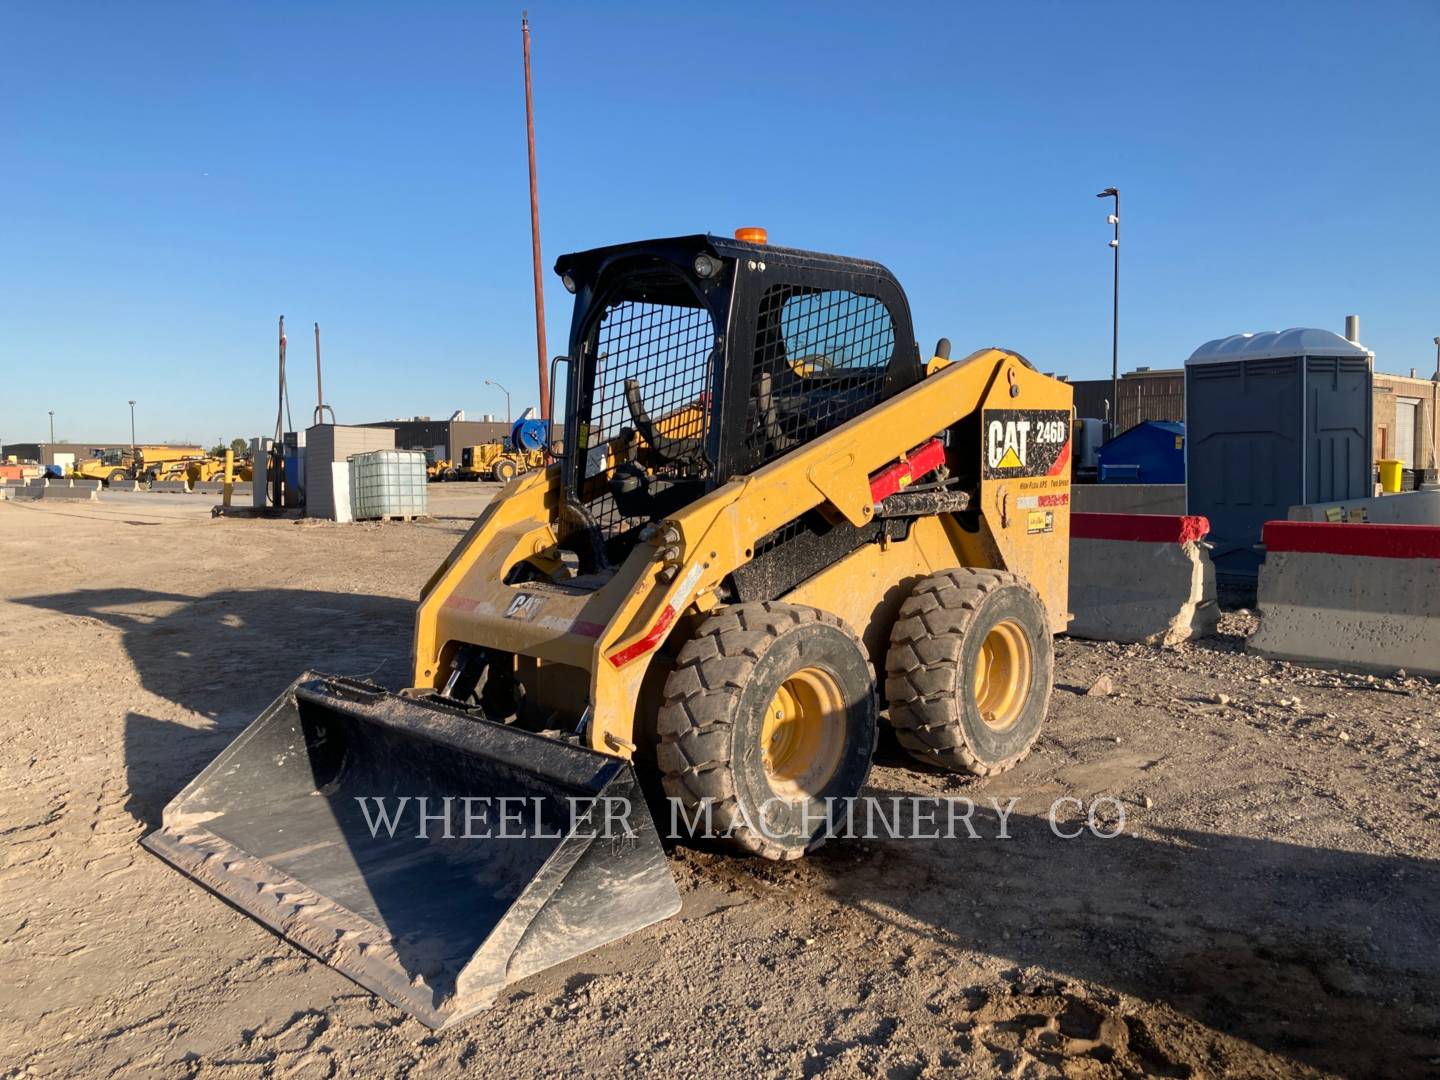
1114, 193
132, 427
52, 426
492, 382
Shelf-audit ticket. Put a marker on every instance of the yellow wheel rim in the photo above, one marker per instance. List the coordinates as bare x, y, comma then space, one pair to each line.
803, 737
1003, 671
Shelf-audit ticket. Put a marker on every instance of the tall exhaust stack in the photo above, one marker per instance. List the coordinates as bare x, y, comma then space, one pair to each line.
1352, 328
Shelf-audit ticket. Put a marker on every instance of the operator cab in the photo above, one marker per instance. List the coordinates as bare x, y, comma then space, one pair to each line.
696, 359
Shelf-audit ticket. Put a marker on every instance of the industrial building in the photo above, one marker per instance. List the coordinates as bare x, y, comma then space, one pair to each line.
1145, 394
1405, 411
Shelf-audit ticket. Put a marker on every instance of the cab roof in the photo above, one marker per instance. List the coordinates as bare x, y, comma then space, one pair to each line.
681, 250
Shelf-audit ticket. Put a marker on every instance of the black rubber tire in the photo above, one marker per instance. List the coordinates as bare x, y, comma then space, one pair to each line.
504, 470
117, 476
712, 716
931, 663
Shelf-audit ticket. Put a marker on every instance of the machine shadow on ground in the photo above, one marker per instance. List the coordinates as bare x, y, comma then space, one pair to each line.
225, 656
1327, 957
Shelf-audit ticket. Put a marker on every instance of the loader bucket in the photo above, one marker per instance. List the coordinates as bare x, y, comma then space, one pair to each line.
433, 913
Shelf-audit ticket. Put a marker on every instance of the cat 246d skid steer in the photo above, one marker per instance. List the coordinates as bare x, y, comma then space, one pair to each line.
773, 525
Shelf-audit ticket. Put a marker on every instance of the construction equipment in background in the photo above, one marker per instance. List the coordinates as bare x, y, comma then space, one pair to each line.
772, 525
497, 461
146, 464
524, 450
154, 463
108, 466
436, 468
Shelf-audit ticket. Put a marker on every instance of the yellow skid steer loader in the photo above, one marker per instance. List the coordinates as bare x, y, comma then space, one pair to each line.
773, 525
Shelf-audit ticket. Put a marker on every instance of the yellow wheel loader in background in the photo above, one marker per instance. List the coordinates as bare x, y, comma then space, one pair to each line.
148, 464
497, 461
773, 527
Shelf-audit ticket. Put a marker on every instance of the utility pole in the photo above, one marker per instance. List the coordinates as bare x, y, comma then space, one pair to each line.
132, 427
52, 426
1114, 193
540, 350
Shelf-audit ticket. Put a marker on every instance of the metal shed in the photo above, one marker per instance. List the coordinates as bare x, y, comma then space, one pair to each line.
1273, 419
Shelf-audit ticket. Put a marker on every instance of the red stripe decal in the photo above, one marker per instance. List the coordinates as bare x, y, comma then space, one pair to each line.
925, 458
1061, 461
1148, 528
648, 642
1345, 538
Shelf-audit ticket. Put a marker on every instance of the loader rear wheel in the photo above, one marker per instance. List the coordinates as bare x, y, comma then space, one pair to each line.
969, 670
504, 470
769, 712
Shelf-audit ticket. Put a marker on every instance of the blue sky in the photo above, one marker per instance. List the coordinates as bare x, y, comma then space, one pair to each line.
174, 176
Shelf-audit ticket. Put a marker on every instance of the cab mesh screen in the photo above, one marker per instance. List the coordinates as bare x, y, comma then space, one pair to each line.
666, 350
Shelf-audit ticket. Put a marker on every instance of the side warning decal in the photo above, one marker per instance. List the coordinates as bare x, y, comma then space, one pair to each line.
1024, 442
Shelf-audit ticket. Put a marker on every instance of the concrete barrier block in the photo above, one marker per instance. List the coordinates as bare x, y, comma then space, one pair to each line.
1405, 508
1128, 498
173, 487
1144, 578
1359, 597
72, 494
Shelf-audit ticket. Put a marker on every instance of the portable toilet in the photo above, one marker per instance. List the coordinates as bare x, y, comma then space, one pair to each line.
1151, 452
1273, 420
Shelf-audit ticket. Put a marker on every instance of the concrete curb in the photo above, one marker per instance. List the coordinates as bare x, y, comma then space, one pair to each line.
1354, 596
72, 494
59, 491
1141, 578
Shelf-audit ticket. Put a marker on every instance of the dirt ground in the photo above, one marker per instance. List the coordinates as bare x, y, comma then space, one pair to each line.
1271, 907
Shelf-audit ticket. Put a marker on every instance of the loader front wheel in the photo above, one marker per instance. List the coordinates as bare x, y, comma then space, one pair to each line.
504, 470
767, 725
969, 670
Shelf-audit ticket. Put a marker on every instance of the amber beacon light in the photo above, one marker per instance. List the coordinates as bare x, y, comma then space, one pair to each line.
752, 235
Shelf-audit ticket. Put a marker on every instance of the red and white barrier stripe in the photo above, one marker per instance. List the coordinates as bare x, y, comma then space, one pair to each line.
1141, 578
1356, 596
